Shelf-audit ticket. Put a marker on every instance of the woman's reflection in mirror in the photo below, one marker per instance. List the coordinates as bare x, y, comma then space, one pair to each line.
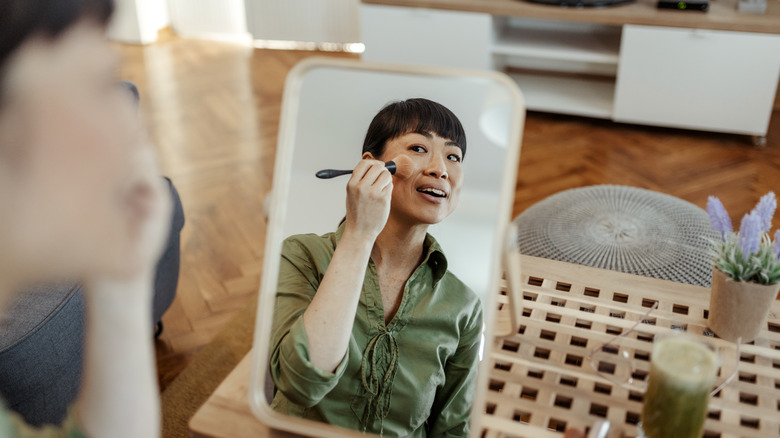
371, 331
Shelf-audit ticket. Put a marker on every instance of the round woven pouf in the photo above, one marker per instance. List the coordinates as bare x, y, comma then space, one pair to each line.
623, 229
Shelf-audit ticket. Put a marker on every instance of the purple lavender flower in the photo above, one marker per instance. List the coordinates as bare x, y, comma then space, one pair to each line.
766, 210
750, 234
721, 222
776, 247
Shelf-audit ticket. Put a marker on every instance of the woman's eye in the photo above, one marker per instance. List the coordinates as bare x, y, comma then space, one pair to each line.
453, 157
418, 148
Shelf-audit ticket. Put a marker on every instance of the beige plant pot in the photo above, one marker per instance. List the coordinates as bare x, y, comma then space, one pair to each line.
739, 309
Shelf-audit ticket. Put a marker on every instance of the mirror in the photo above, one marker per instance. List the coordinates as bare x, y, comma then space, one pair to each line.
328, 105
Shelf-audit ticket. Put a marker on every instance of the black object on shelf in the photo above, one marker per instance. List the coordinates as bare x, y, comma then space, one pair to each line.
581, 3
701, 6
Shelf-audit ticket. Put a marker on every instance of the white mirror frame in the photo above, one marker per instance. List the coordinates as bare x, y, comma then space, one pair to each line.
277, 209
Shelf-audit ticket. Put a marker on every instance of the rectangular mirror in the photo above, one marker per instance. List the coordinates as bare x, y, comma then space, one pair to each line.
327, 108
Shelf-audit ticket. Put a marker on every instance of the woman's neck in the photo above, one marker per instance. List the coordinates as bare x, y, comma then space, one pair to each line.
399, 245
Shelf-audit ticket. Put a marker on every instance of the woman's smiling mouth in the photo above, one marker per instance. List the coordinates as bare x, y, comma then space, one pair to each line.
433, 194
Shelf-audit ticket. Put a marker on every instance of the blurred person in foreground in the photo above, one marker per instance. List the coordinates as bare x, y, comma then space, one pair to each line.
80, 198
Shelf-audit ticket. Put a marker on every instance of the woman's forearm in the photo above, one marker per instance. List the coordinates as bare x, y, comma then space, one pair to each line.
119, 395
329, 318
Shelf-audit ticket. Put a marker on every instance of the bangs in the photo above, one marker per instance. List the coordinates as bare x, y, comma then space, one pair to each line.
423, 116
419, 115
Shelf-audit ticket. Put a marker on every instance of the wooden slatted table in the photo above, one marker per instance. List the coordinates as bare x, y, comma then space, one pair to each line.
541, 380
541, 377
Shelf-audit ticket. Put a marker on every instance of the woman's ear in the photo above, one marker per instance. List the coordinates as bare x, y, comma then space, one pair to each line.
368, 156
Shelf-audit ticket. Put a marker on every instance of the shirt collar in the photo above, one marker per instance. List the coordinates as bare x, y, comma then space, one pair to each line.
434, 256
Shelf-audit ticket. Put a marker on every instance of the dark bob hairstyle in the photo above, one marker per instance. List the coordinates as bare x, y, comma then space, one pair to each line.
418, 115
23, 19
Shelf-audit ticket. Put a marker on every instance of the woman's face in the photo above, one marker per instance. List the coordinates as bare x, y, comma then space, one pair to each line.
432, 190
68, 138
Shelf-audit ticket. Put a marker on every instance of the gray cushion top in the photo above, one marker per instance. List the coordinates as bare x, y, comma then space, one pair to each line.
31, 309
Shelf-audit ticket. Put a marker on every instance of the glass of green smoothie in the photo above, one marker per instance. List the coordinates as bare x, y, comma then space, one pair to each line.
682, 374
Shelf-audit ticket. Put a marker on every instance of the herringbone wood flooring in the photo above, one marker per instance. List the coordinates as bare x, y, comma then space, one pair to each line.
213, 110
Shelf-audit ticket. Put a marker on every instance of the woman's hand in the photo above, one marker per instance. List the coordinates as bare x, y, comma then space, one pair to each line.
149, 210
143, 231
119, 372
142, 210
368, 199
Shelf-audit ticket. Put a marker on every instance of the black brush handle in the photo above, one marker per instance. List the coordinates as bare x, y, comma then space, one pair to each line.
332, 173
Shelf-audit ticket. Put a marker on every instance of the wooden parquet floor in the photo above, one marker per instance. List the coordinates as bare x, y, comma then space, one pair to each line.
213, 111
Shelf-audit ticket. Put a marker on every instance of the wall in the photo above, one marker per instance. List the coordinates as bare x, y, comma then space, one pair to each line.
209, 19
320, 21
138, 21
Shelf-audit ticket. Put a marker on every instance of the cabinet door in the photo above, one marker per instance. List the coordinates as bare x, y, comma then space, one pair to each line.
688, 78
426, 36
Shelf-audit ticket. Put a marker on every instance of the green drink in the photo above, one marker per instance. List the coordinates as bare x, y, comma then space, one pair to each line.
682, 374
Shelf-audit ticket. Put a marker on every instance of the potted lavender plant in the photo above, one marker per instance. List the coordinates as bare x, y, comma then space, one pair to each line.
746, 273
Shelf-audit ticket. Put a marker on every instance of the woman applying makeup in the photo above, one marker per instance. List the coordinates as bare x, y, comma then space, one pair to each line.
371, 331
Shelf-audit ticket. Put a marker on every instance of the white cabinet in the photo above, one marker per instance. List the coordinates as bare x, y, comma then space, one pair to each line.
426, 36
699, 79
723, 81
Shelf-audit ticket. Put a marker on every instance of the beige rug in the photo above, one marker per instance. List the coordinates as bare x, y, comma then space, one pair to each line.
207, 369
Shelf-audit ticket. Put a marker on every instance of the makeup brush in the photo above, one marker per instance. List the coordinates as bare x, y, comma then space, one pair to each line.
401, 166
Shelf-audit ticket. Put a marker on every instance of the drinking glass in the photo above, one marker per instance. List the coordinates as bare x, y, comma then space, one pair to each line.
683, 371
682, 374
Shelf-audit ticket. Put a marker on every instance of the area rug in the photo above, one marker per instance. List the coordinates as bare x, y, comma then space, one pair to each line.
207, 369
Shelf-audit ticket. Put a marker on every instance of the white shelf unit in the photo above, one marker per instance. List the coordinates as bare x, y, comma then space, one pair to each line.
577, 96
566, 68
557, 40
711, 80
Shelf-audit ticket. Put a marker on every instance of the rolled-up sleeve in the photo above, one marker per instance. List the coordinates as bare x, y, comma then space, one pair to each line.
452, 406
300, 381
291, 369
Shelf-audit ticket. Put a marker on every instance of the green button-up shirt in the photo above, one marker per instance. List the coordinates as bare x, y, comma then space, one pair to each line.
412, 377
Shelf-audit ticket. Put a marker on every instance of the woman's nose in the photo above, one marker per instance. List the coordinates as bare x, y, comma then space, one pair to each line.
437, 167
